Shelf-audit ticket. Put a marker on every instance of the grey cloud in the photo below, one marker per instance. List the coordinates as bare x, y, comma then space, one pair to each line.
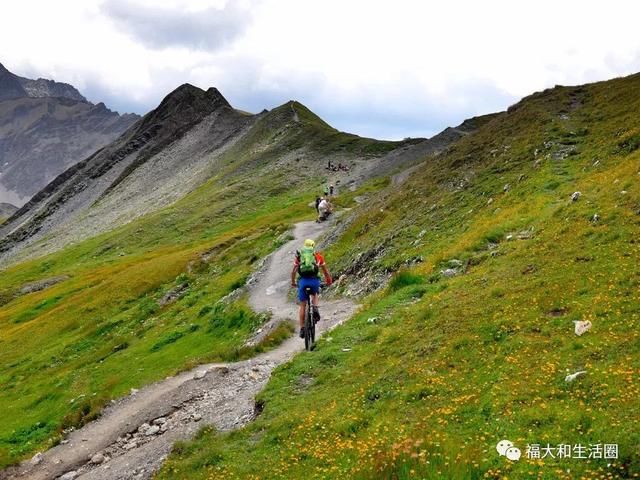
404, 110
159, 28
96, 92
407, 110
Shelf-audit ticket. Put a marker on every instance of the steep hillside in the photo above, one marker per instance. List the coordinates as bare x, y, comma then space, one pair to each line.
45, 127
146, 237
138, 160
493, 249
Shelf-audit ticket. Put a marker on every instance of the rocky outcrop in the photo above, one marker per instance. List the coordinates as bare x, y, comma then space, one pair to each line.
42, 88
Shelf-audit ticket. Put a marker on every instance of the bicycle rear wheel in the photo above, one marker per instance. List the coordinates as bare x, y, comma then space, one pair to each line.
309, 328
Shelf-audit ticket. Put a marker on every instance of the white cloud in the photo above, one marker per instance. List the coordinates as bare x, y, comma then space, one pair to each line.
210, 28
390, 69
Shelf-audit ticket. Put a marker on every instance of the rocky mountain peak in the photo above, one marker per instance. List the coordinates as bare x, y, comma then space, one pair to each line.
42, 88
12, 86
187, 95
213, 92
185, 106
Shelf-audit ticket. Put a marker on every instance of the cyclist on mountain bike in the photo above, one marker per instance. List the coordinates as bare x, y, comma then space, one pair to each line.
306, 270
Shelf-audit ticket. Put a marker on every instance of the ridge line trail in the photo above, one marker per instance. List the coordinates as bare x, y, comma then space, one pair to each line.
221, 394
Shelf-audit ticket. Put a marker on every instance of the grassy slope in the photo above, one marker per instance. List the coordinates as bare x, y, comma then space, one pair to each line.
451, 366
67, 350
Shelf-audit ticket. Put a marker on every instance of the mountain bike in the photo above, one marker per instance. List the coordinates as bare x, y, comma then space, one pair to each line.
309, 323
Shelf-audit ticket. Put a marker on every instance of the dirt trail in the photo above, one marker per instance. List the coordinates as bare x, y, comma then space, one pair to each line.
134, 435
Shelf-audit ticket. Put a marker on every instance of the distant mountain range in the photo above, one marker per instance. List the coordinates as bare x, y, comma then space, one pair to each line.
46, 127
192, 136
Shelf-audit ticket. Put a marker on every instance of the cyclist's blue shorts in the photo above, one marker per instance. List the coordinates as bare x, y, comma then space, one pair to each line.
314, 283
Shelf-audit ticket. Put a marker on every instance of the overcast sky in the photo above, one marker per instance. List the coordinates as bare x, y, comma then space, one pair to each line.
387, 69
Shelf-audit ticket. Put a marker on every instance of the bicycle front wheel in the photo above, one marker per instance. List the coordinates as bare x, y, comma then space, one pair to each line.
313, 329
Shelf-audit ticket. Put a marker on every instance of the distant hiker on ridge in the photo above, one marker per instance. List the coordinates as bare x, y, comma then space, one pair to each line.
324, 210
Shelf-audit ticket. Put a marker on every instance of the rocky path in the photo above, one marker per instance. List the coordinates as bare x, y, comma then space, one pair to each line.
134, 435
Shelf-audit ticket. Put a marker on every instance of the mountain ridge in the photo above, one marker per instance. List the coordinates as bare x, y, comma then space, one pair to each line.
139, 157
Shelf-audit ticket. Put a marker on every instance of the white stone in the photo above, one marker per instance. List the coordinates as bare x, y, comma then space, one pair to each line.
143, 428
449, 272
582, 326
573, 376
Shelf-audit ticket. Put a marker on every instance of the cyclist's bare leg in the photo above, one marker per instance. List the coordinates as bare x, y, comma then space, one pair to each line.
314, 303
301, 311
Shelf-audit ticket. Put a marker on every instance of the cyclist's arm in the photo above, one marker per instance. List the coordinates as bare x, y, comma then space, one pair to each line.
293, 275
327, 275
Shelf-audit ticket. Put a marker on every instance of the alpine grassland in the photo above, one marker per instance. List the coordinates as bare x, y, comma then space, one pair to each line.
88, 323
491, 251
